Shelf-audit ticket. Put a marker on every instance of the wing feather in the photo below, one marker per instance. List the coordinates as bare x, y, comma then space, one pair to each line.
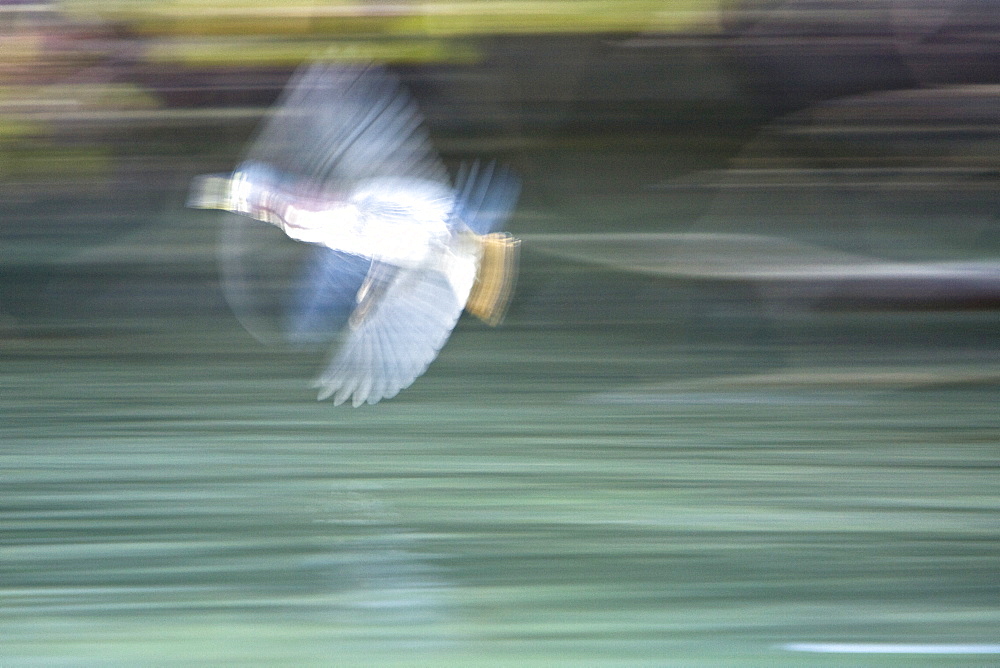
396, 341
338, 124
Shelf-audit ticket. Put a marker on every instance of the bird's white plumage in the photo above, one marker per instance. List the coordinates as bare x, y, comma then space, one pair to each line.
393, 220
343, 162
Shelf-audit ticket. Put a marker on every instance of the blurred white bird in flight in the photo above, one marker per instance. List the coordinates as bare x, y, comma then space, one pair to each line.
392, 251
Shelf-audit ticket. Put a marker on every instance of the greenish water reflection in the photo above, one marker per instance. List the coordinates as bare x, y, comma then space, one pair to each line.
178, 496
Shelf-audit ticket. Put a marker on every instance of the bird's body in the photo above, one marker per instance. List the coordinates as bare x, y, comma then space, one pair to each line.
345, 166
403, 222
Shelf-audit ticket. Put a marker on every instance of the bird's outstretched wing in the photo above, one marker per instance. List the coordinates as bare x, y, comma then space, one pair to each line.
393, 338
339, 124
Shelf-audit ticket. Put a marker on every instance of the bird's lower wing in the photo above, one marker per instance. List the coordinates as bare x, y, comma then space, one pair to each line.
283, 291
393, 338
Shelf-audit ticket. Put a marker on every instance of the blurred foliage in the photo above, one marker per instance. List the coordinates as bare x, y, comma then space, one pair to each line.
472, 17
41, 160
78, 97
254, 32
39, 137
261, 51
63, 62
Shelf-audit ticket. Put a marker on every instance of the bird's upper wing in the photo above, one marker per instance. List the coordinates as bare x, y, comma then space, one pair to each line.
338, 124
397, 333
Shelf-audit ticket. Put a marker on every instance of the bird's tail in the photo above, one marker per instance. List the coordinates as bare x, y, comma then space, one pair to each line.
495, 278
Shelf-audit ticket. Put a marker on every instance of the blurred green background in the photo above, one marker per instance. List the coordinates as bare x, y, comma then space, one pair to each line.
636, 468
